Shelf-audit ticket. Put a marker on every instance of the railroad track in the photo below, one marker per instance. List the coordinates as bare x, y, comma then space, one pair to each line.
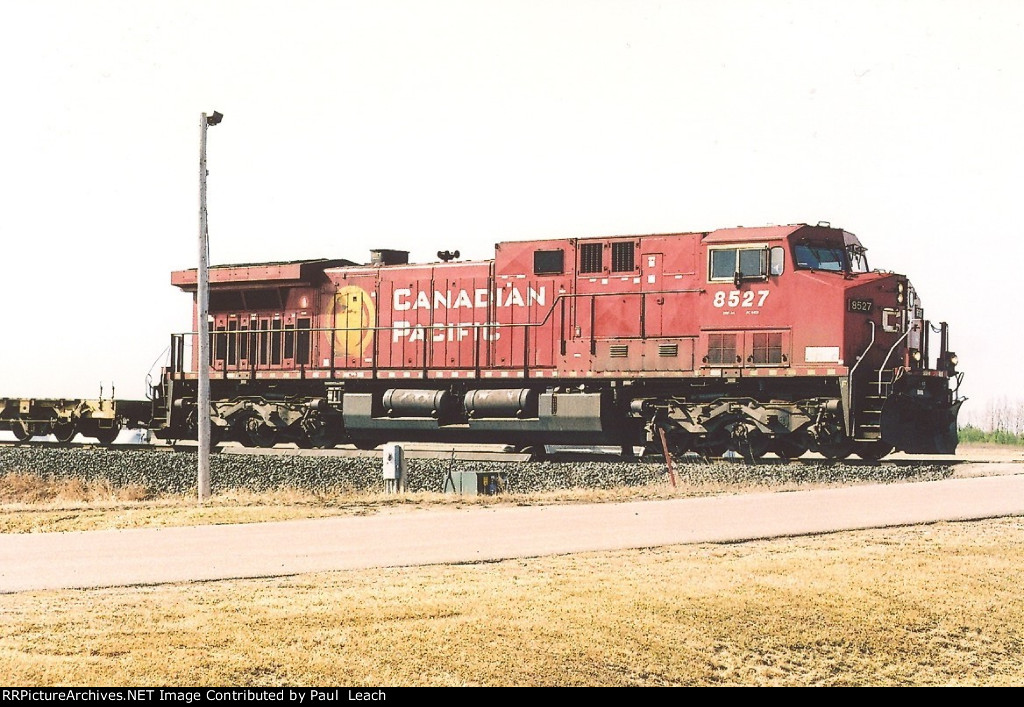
279, 450
167, 469
462, 453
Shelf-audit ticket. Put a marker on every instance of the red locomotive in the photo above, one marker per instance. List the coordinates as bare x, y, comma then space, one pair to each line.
756, 339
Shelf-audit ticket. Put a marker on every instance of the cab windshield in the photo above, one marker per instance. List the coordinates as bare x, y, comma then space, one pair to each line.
819, 256
830, 257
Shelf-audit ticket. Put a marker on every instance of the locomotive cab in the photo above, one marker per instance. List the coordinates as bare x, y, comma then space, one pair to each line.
804, 346
896, 393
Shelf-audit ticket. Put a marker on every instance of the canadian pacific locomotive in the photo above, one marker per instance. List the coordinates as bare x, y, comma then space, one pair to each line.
775, 338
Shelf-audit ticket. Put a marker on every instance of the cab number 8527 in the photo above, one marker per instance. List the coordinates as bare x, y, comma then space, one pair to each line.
735, 298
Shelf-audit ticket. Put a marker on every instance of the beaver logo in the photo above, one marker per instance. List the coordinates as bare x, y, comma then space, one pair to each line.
354, 314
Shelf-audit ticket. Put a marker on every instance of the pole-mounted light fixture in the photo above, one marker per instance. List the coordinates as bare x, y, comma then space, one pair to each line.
203, 315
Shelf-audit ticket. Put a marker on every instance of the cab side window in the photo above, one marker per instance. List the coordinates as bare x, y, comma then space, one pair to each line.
750, 263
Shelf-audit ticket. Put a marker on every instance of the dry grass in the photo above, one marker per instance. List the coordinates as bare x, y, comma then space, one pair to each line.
21, 487
933, 605
31, 504
917, 606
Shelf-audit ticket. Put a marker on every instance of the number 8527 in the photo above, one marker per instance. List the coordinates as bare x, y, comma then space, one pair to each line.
735, 298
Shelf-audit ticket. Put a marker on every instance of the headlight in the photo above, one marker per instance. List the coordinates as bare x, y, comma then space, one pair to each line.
915, 354
951, 361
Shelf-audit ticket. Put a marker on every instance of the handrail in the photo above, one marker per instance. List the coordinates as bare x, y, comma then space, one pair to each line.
889, 355
376, 329
849, 376
863, 355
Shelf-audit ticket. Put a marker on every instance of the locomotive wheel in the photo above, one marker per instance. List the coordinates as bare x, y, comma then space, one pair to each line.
790, 446
715, 444
257, 434
872, 451
107, 435
191, 431
679, 442
63, 430
717, 449
325, 441
316, 440
749, 442
21, 430
754, 452
365, 444
836, 451
318, 433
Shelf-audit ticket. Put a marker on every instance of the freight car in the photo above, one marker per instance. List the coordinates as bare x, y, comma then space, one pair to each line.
100, 418
777, 338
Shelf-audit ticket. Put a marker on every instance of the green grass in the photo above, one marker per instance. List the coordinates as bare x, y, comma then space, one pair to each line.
975, 435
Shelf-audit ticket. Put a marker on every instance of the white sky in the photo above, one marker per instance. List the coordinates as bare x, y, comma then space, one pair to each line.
453, 125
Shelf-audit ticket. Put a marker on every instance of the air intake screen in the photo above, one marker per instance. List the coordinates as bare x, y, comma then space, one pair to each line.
622, 257
590, 258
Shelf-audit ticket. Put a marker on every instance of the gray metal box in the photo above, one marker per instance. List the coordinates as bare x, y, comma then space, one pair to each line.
476, 483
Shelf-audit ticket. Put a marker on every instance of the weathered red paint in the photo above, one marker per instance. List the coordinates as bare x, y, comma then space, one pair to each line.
661, 316
784, 326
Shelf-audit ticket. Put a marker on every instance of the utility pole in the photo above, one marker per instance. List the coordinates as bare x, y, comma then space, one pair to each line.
203, 308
